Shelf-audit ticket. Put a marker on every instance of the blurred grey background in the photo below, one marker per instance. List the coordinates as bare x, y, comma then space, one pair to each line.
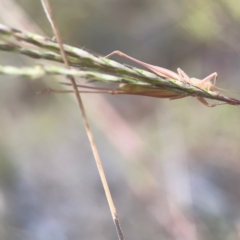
172, 166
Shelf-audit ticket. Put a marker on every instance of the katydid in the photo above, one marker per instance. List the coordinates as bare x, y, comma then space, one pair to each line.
181, 76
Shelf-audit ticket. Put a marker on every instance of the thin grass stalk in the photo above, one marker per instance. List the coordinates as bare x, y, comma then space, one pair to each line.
48, 11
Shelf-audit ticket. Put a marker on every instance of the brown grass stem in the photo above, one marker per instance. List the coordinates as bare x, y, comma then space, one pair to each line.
48, 11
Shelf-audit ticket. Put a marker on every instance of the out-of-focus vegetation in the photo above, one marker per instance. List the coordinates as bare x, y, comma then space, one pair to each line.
172, 166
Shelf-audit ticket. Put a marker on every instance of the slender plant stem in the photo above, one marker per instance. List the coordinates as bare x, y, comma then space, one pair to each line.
48, 11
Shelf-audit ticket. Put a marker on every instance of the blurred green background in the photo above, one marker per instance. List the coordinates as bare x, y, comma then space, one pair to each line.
172, 166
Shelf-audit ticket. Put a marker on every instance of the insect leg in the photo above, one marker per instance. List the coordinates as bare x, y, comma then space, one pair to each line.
203, 101
157, 70
209, 78
183, 76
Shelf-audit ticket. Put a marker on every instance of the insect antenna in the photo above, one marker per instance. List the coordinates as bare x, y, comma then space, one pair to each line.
226, 90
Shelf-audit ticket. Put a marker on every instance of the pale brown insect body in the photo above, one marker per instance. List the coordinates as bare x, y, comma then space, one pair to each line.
206, 85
